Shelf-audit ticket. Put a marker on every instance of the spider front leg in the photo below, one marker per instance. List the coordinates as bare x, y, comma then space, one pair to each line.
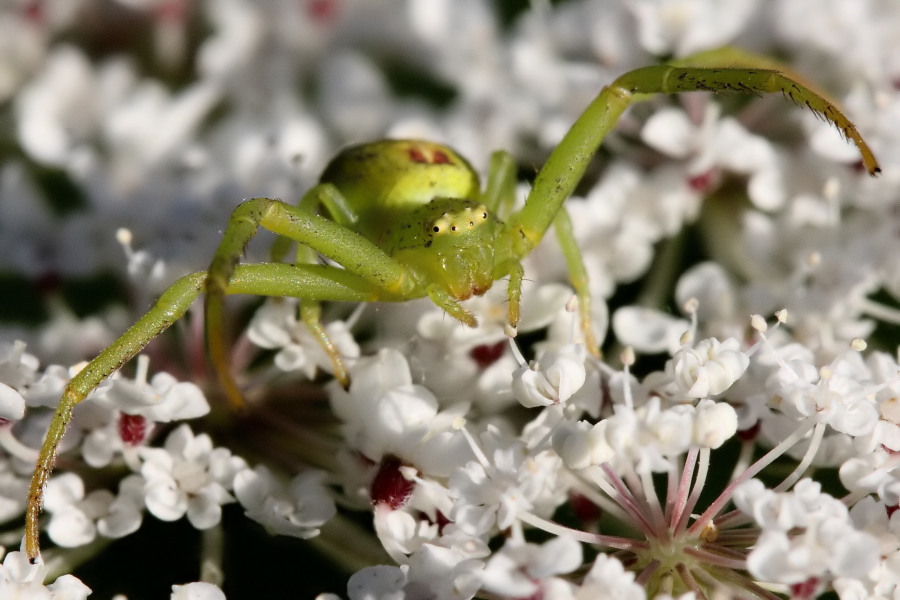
170, 307
318, 282
499, 197
748, 74
567, 163
578, 274
311, 310
328, 196
386, 278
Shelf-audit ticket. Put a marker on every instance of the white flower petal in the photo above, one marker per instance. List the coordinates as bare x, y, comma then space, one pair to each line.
648, 330
199, 590
165, 501
671, 132
12, 404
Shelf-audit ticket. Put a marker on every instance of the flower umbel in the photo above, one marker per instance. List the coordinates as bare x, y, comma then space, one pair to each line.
735, 433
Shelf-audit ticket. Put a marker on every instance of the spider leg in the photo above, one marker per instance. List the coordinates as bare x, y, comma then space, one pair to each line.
514, 291
568, 161
328, 196
500, 190
357, 254
499, 197
578, 274
318, 282
311, 315
169, 308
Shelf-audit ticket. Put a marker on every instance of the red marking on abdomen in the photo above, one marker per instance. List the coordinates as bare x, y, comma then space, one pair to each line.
440, 158
417, 156
428, 156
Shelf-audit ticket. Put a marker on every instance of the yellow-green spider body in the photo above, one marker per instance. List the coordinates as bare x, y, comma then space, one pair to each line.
422, 204
408, 219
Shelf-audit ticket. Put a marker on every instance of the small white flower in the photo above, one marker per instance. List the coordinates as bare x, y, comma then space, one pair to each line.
643, 439
76, 518
608, 579
671, 429
72, 515
381, 582
126, 512
648, 330
275, 326
400, 532
163, 400
189, 476
686, 26
492, 495
48, 387
436, 572
198, 590
581, 444
714, 423
709, 368
12, 404
432, 572
20, 579
806, 534
830, 547
384, 413
873, 472
837, 394
298, 509
520, 570
552, 379
17, 368
122, 433
719, 143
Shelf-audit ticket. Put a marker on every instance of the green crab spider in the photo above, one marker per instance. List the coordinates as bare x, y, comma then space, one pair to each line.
407, 219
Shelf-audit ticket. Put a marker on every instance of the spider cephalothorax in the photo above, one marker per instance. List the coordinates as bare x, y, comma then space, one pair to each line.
451, 242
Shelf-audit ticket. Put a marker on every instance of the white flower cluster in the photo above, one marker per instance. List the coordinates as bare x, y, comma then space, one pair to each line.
186, 476
806, 534
138, 125
21, 579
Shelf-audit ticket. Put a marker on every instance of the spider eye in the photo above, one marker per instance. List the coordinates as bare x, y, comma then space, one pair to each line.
439, 225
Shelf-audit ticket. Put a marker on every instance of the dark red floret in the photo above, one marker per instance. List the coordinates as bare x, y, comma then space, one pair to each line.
390, 486
133, 429
487, 354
